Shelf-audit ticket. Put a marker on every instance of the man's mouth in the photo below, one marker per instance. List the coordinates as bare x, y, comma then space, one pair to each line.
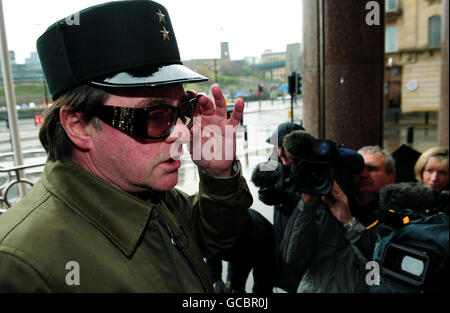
173, 159
364, 182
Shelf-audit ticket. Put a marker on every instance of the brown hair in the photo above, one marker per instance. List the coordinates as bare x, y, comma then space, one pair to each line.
53, 137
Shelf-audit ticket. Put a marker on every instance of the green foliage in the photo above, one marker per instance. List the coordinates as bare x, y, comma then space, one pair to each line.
26, 93
227, 80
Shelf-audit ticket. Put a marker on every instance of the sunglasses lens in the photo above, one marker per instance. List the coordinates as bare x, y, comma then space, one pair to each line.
160, 122
187, 112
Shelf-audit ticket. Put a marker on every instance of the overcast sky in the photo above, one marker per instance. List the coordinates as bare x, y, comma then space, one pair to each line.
249, 26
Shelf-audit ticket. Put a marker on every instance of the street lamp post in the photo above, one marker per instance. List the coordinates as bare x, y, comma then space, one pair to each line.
10, 100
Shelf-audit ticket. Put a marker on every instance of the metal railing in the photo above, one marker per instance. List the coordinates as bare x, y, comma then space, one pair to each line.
15, 175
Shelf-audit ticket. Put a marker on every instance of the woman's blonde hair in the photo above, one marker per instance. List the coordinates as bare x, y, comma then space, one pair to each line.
436, 152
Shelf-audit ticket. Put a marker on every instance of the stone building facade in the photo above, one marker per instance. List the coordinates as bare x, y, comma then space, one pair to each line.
413, 55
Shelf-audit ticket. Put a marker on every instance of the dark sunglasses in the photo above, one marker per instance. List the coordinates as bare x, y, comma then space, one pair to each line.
154, 122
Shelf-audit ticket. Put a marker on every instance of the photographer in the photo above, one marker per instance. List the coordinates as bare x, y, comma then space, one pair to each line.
286, 198
277, 188
331, 238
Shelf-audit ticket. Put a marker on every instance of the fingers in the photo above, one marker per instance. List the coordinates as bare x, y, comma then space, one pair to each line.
238, 111
219, 106
219, 99
327, 201
336, 191
309, 198
191, 94
336, 195
206, 105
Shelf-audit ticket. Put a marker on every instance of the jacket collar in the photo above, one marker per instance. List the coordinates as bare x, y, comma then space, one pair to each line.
118, 215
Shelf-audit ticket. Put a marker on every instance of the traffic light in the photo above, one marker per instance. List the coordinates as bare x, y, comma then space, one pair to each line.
260, 89
295, 84
291, 82
299, 84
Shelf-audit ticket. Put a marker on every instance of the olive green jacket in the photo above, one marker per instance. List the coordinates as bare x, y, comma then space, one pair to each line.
73, 232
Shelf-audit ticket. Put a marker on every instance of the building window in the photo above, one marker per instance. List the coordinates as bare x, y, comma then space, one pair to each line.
391, 5
391, 38
434, 32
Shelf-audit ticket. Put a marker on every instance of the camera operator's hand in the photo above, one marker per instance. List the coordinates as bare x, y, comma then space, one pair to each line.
310, 198
338, 204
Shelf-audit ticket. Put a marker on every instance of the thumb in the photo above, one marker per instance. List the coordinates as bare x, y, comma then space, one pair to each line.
327, 201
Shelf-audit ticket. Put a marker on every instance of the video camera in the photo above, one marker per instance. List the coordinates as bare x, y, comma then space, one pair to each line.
275, 186
414, 233
320, 162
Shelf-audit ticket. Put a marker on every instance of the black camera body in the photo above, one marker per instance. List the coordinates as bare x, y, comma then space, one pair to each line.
320, 162
315, 170
275, 185
414, 234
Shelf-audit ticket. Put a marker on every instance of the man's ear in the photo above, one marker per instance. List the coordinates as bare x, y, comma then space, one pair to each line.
75, 128
392, 178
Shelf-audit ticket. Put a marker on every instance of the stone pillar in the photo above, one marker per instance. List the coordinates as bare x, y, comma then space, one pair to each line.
443, 110
343, 72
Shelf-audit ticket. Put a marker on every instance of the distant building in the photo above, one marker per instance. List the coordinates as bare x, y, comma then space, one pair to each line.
224, 51
277, 66
413, 54
33, 59
29, 72
293, 58
273, 64
251, 60
12, 57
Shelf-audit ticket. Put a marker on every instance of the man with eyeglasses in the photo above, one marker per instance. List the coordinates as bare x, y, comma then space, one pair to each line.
104, 216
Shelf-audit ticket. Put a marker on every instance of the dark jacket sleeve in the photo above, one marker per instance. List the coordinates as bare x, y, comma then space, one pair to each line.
214, 265
299, 243
362, 241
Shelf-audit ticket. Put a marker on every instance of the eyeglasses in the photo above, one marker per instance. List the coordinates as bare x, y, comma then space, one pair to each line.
155, 122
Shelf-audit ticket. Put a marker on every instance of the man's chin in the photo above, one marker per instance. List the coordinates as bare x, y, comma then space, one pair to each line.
168, 182
365, 186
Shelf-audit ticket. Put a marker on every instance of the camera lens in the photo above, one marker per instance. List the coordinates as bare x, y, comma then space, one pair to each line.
316, 178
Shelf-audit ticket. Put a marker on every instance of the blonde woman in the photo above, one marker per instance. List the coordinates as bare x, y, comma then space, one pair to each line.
431, 168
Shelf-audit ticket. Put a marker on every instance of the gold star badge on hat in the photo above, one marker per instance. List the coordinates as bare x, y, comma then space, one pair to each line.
161, 16
165, 33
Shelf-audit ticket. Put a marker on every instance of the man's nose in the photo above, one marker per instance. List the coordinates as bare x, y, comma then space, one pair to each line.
179, 133
364, 173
